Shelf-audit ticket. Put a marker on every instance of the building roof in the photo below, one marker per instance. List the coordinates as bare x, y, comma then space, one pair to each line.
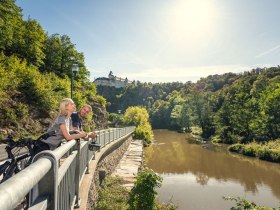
102, 78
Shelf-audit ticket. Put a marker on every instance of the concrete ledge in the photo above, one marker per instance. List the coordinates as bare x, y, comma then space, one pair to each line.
86, 183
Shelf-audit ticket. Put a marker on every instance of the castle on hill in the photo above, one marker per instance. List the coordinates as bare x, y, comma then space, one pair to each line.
112, 81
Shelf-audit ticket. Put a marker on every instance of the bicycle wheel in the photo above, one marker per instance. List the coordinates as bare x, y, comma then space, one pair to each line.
3, 168
9, 172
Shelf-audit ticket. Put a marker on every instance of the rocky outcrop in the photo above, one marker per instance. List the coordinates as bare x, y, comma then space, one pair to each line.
100, 115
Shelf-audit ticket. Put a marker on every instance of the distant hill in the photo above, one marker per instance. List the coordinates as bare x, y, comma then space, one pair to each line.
233, 107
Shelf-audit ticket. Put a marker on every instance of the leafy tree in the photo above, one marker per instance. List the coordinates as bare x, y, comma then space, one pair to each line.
139, 117
136, 116
30, 42
25, 39
159, 113
270, 106
203, 111
53, 54
60, 55
115, 120
10, 19
185, 121
175, 116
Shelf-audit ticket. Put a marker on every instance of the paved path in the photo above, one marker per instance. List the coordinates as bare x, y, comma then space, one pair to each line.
130, 163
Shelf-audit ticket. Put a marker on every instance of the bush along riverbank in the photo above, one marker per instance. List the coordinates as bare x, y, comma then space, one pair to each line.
269, 151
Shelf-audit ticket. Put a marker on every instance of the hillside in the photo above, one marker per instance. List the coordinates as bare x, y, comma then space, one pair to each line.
35, 74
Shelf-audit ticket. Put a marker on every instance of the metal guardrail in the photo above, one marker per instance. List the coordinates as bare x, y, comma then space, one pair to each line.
53, 179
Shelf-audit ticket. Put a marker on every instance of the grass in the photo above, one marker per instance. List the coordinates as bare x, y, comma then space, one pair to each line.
112, 195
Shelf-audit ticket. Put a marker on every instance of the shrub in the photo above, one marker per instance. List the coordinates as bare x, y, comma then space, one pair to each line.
236, 148
139, 117
196, 131
142, 195
274, 144
249, 151
275, 155
272, 155
243, 204
168, 206
144, 131
216, 139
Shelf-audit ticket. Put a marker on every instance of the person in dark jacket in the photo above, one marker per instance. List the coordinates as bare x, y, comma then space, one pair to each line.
77, 119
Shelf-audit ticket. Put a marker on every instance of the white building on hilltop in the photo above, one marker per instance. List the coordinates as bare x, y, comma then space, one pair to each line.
112, 81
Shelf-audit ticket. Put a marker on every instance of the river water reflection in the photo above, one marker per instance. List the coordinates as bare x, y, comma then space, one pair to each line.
196, 177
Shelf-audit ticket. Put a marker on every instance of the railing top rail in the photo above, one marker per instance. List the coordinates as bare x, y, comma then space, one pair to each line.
63, 149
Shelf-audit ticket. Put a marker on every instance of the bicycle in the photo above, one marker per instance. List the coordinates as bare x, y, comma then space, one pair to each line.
16, 159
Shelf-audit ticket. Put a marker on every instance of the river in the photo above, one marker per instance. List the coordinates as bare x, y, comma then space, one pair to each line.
197, 176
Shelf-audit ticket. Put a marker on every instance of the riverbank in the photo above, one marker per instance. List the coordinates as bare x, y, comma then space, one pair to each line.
269, 151
130, 163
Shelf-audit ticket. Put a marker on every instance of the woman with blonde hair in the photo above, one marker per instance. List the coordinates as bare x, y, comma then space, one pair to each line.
61, 128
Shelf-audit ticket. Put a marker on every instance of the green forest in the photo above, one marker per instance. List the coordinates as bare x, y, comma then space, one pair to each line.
232, 107
36, 71
241, 109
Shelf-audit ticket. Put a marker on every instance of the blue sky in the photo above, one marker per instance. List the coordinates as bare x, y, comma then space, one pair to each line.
165, 40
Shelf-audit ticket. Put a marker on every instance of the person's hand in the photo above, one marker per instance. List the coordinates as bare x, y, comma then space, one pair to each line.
92, 135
